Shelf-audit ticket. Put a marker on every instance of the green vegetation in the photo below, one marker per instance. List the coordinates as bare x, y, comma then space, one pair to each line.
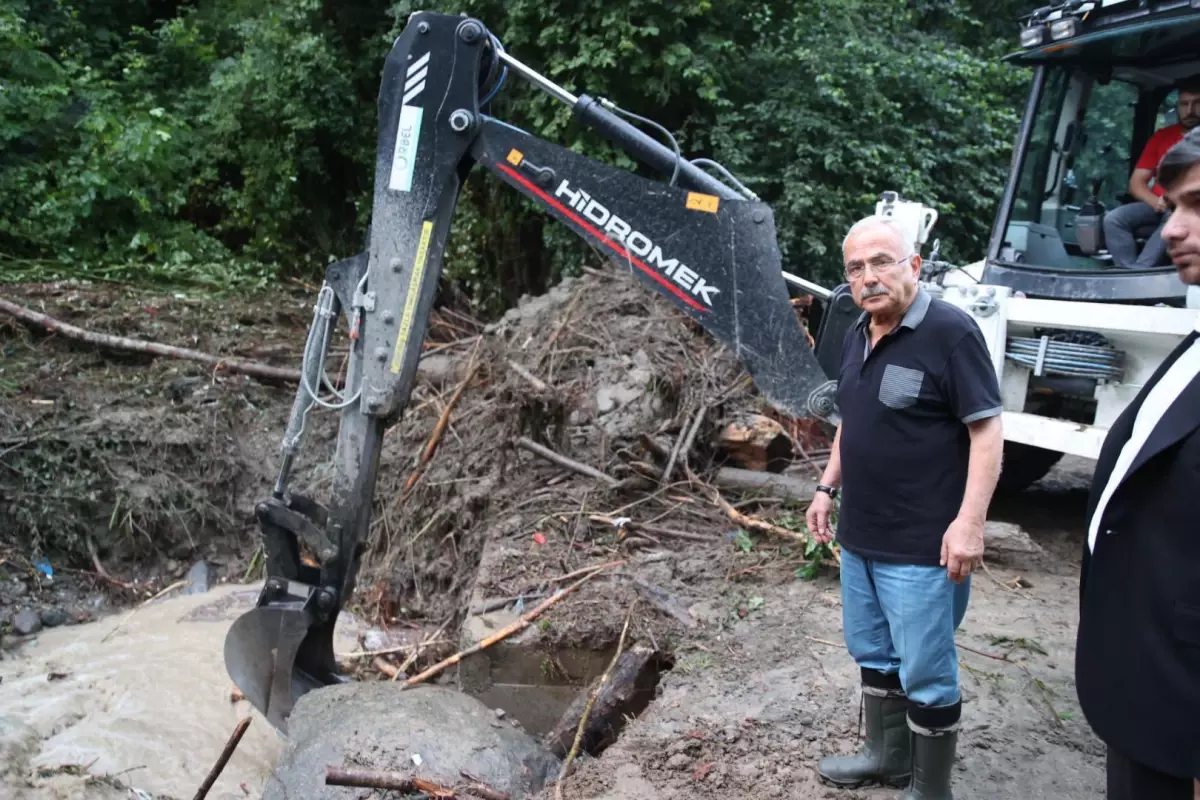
231, 142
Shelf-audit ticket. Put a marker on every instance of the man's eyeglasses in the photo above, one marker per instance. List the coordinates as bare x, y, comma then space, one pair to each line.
877, 265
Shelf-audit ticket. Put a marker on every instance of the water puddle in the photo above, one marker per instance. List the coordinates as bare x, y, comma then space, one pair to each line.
149, 702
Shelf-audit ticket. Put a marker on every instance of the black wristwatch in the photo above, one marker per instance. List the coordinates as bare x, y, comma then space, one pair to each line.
829, 490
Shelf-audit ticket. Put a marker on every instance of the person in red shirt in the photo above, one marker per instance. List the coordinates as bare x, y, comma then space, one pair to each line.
1148, 213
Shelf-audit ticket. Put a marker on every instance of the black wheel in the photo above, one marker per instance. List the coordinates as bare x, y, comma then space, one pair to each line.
1024, 465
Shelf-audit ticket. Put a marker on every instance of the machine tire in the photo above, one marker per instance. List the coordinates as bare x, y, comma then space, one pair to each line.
1024, 465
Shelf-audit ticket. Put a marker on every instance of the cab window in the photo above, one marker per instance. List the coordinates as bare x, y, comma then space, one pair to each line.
1076, 165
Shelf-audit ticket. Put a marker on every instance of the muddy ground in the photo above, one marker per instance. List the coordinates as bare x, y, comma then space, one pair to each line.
121, 471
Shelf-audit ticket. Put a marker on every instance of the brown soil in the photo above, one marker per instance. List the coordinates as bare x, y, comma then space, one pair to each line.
168, 459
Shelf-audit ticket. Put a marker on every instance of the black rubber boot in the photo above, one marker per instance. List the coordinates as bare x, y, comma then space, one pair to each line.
933, 749
885, 757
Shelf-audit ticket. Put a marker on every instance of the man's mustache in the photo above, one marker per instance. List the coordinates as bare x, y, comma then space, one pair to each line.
872, 291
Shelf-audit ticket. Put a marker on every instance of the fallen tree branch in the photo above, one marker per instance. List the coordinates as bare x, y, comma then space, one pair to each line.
498, 603
682, 450
587, 710
481, 789
107, 341
519, 625
219, 767
439, 429
655, 530
533, 380
585, 571
583, 469
368, 779
415, 654
747, 521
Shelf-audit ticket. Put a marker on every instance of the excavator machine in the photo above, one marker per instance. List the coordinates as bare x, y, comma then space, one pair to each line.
705, 243
1073, 335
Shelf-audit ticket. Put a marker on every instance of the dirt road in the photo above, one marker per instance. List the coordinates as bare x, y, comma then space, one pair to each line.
749, 714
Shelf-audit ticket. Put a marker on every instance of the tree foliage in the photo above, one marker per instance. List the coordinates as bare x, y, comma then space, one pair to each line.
233, 140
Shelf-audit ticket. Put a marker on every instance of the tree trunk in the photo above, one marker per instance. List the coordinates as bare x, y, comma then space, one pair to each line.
629, 691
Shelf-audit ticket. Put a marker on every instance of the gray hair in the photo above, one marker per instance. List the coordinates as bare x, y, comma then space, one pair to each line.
876, 220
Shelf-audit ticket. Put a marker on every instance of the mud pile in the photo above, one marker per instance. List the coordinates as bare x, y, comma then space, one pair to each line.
601, 371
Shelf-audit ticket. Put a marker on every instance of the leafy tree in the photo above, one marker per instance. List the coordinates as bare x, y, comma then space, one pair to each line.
233, 140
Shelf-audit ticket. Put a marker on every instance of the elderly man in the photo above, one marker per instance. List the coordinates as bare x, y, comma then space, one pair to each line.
917, 457
1137, 659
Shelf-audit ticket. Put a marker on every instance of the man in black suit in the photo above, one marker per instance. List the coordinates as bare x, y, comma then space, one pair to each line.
1137, 661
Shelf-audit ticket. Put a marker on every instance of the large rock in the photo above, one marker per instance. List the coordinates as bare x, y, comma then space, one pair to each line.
380, 726
1007, 537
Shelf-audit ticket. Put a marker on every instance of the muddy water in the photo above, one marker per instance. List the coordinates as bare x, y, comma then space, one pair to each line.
145, 695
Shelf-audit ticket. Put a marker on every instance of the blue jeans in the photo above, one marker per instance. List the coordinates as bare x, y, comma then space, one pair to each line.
902, 618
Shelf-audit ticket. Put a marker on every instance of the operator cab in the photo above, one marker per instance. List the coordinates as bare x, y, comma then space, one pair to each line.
1105, 77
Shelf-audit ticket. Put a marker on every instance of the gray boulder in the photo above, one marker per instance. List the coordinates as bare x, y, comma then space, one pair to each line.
379, 726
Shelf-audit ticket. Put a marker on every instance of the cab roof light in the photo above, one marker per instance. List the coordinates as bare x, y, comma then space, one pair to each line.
1036, 34
1063, 28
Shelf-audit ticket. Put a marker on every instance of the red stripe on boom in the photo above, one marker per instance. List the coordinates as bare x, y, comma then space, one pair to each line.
616, 248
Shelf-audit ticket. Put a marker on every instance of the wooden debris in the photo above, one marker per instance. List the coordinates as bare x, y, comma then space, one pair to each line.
591, 701
586, 571
683, 445
440, 428
217, 768
630, 681
755, 442
109, 342
530, 378
656, 530
244, 366
481, 789
416, 653
747, 521
369, 779
583, 469
519, 625
746, 480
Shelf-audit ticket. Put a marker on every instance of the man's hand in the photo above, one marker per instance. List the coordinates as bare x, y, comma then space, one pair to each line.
962, 548
817, 518
1160, 204
1196, 789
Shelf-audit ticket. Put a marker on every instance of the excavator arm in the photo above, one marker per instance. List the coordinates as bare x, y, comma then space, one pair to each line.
708, 247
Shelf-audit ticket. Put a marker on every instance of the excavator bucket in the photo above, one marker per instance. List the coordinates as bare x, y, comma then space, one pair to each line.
276, 653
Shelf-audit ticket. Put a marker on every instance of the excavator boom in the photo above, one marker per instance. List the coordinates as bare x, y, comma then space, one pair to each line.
707, 247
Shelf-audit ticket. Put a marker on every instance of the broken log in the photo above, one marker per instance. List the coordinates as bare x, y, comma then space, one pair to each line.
746, 480
629, 689
755, 442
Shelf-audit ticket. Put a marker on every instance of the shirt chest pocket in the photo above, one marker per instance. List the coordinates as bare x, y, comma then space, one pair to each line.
900, 387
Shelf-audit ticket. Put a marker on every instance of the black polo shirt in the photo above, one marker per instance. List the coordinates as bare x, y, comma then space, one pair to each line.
904, 444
